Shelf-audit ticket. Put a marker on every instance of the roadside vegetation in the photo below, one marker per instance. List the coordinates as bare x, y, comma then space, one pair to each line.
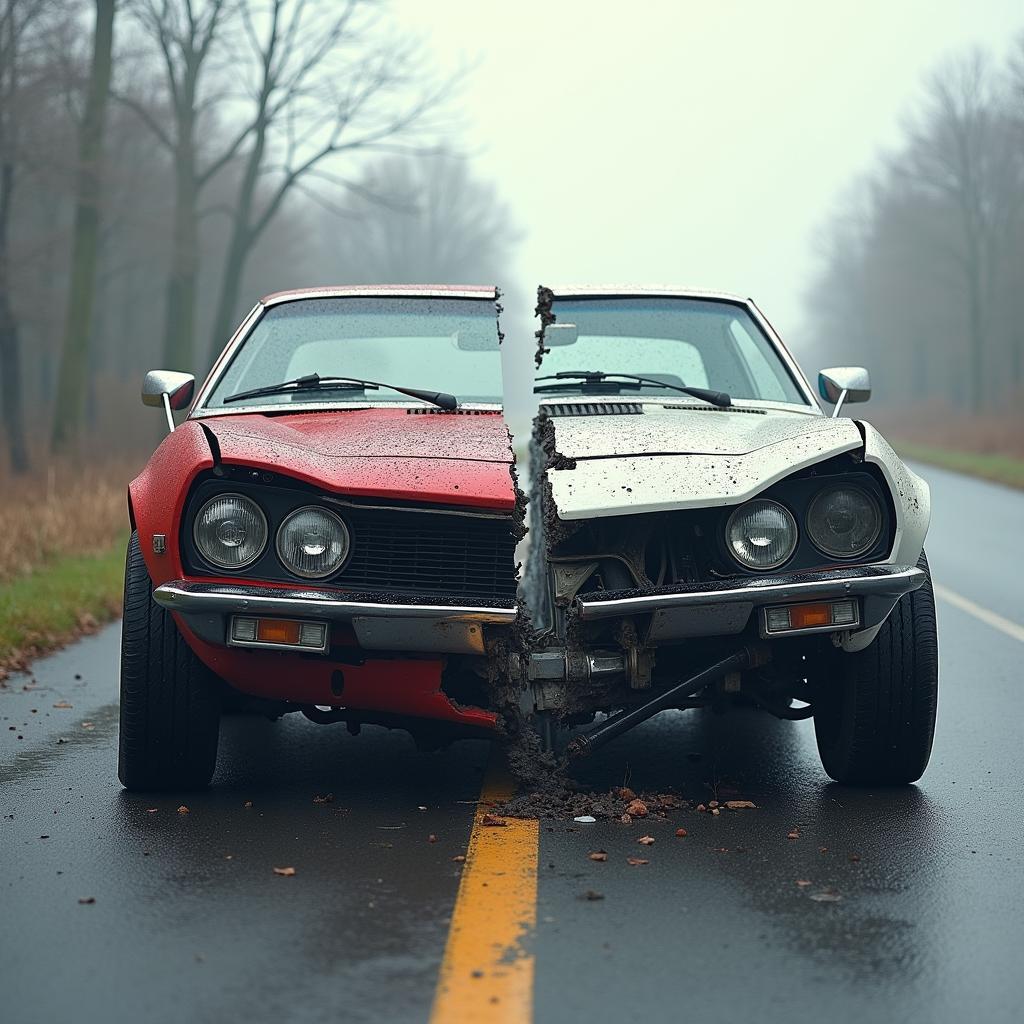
990, 447
62, 540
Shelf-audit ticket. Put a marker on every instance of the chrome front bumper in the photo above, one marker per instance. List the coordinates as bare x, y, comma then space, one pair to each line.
422, 628
724, 607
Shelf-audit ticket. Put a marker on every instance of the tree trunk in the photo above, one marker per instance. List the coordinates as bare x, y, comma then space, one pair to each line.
11, 386
239, 247
179, 319
75, 348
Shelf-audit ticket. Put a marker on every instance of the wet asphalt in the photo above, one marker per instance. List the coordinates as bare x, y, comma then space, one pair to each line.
912, 907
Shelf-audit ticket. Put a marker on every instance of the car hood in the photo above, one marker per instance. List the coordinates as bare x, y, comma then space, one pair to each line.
685, 457
461, 459
684, 430
370, 434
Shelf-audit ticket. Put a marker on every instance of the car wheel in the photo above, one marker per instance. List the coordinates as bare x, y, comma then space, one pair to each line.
170, 701
874, 714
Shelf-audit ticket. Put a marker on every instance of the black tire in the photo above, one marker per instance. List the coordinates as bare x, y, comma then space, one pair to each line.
170, 701
874, 713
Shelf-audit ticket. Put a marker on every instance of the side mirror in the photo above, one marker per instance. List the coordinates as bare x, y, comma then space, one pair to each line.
170, 389
840, 384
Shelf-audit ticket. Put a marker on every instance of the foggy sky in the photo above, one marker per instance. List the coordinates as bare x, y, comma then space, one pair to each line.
689, 143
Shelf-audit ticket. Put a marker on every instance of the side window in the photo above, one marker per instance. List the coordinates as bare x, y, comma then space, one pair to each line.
762, 373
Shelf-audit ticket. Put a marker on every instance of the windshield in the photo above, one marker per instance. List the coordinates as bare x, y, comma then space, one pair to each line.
433, 344
694, 342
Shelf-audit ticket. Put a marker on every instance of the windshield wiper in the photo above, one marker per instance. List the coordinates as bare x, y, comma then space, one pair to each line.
585, 377
314, 382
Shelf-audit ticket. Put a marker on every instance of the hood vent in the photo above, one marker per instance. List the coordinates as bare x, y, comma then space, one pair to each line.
716, 408
594, 409
433, 411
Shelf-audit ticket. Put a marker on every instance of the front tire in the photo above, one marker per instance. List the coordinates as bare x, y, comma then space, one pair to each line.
170, 701
874, 713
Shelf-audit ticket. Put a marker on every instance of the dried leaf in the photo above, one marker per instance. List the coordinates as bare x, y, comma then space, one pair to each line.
636, 861
637, 808
459, 858
803, 883
431, 838
740, 805
183, 809
152, 810
795, 834
681, 832
63, 704
829, 896
327, 798
86, 899
645, 840
591, 895
284, 872
626, 819
490, 819
247, 804
598, 855
854, 858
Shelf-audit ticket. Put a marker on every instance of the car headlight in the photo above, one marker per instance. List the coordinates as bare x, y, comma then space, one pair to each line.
230, 531
844, 521
761, 534
312, 542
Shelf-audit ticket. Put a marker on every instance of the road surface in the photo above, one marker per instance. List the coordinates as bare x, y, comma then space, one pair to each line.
913, 911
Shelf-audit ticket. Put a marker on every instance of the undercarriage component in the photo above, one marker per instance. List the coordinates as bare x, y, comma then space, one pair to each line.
749, 656
575, 666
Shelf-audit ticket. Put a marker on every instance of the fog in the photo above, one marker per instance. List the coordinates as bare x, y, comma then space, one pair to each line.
721, 146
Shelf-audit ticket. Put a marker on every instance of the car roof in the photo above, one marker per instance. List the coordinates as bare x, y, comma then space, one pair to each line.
383, 291
619, 291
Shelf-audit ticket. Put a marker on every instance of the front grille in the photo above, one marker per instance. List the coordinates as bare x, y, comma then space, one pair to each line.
458, 556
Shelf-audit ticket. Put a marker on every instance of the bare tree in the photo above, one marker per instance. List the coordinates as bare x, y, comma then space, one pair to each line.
74, 354
185, 33
427, 219
323, 88
16, 19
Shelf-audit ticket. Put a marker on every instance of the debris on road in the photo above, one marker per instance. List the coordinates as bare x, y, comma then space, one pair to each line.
591, 896
637, 809
828, 896
740, 805
493, 821
63, 704
599, 855
794, 834
327, 798
645, 840
803, 883
585, 818
86, 899
431, 838
681, 832
636, 861
459, 858
284, 872
183, 809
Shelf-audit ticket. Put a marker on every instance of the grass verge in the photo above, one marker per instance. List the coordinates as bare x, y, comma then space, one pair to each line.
1003, 469
57, 602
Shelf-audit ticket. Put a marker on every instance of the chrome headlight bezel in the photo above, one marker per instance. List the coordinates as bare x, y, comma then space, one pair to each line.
864, 548
747, 509
243, 501
329, 515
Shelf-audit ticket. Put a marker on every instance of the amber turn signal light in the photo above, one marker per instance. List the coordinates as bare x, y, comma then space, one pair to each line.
253, 632
824, 615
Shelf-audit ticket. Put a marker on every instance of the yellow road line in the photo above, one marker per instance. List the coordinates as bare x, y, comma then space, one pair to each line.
990, 618
486, 975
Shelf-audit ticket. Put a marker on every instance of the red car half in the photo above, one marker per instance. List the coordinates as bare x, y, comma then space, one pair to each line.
331, 529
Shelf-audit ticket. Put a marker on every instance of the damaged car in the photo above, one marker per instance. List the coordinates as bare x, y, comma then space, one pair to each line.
703, 534
331, 529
